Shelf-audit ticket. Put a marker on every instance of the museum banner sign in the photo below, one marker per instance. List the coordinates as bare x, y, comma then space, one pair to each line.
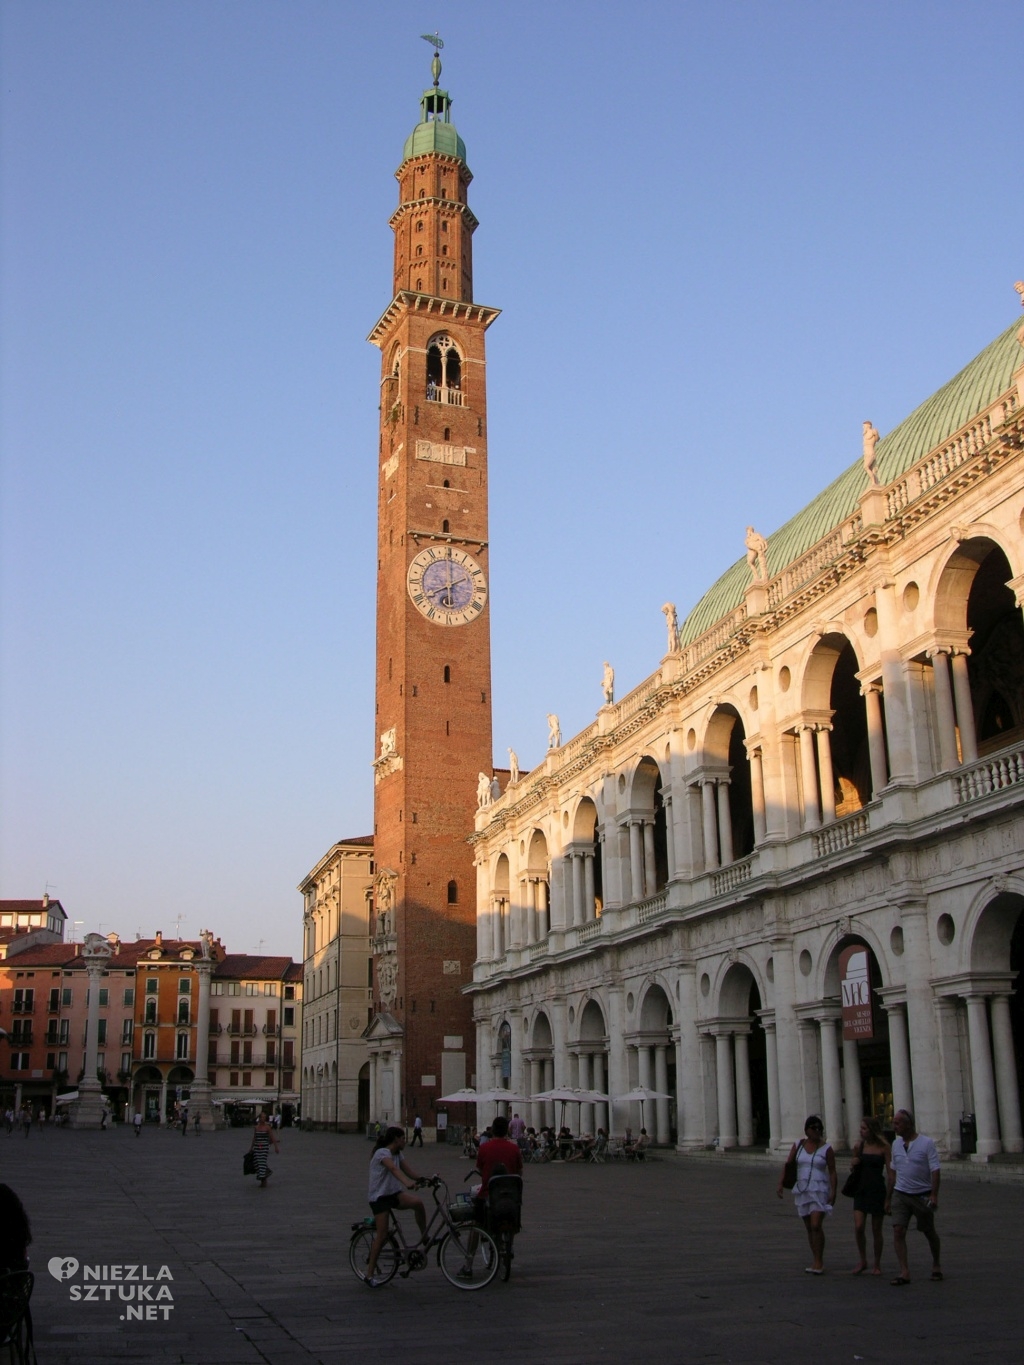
855, 982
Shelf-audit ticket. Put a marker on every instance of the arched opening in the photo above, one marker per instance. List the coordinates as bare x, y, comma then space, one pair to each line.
542, 1070
843, 756
996, 663
500, 908
363, 1101
585, 880
744, 1115
854, 977
447, 673
724, 748
592, 1066
537, 888
997, 959
444, 370
648, 833
505, 1056
655, 1067
453, 893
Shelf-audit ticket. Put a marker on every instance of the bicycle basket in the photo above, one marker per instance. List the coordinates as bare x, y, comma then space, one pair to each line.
461, 1209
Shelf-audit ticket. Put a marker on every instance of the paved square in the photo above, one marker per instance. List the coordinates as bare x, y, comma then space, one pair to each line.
677, 1260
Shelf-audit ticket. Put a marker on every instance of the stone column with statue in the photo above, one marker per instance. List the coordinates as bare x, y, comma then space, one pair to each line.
199, 1096
88, 1111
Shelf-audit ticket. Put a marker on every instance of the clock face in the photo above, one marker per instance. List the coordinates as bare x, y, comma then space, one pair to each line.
447, 585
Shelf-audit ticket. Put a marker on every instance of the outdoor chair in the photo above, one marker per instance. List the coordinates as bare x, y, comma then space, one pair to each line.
16, 1317
599, 1151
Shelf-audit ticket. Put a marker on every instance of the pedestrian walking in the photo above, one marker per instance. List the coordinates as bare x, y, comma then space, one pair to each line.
260, 1148
913, 1192
184, 1121
26, 1119
815, 1190
872, 1158
417, 1131
137, 1123
195, 1123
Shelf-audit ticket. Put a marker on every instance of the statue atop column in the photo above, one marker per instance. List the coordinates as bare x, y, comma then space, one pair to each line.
672, 622
513, 767
757, 555
554, 731
483, 791
870, 441
608, 683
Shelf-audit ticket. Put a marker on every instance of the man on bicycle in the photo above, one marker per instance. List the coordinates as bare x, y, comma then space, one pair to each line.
390, 1179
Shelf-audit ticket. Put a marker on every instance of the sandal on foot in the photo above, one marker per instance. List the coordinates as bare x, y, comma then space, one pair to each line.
860, 1269
810, 1270
900, 1279
936, 1275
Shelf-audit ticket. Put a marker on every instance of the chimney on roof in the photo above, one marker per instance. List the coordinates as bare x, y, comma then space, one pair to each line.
159, 938
46, 900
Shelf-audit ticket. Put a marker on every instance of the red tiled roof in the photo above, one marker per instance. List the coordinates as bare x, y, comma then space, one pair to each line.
245, 966
43, 955
35, 907
364, 839
294, 972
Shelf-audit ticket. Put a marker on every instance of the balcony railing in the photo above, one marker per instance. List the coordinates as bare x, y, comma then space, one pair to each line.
437, 393
992, 775
843, 834
732, 876
23, 1008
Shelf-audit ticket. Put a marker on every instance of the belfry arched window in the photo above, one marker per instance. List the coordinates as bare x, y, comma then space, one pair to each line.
444, 371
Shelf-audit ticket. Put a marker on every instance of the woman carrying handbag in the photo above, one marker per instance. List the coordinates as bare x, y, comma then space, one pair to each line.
872, 1161
810, 1172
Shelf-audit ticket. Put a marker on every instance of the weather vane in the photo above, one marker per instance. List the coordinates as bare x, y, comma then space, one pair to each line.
435, 66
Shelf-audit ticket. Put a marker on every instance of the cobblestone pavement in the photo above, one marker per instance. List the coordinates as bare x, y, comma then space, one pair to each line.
675, 1260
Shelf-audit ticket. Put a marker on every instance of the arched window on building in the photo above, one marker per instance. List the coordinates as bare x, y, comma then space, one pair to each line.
444, 371
453, 893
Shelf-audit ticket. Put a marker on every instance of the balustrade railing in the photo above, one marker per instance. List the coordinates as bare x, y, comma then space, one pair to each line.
728, 878
991, 775
652, 906
452, 397
843, 834
592, 929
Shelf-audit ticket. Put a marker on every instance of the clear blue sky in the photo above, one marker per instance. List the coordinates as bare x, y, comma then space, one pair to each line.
722, 234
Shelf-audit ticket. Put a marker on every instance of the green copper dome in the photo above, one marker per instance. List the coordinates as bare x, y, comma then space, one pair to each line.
435, 131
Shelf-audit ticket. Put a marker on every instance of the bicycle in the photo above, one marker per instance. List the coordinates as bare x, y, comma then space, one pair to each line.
467, 1254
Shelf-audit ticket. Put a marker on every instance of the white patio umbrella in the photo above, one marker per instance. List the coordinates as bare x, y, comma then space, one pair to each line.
563, 1095
470, 1096
639, 1094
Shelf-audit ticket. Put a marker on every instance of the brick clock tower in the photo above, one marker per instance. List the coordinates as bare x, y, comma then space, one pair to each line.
433, 716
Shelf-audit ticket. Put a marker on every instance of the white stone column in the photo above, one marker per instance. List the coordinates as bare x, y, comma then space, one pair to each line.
373, 1087
662, 1130
670, 835
944, 710
689, 1088
727, 1135
899, 1058
530, 904
549, 1084
636, 861
964, 708
1007, 1091
536, 1086
618, 1072
163, 1102
88, 1111
496, 945
579, 913
809, 778
744, 1104
898, 724
832, 1095
791, 1108
586, 1110
982, 1080
724, 821
597, 1081
876, 737
543, 918
199, 1099
921, 1021
707, 801
757, 796
589, 895
828, 781
772, 1060
650, 865
852, 1090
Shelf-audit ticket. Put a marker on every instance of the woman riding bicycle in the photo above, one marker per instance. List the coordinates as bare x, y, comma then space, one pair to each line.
390, 1179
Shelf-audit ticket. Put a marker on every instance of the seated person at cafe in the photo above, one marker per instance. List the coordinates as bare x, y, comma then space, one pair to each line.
500, 1151
641, 1145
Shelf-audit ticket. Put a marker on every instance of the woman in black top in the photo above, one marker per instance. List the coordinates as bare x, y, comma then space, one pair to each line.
873, 1155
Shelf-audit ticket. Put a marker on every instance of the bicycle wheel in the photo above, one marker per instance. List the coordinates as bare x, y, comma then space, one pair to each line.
468, 1257
505, 1240
359, 1255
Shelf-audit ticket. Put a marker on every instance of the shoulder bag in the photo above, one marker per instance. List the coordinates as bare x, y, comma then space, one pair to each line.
789, 1170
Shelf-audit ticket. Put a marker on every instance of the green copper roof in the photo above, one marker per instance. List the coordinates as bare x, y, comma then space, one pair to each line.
952, 407
435, 132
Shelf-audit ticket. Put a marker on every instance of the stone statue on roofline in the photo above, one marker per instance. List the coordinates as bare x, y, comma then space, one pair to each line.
513, 767
757, 555
608, 683
870, 441
483, 791
672, 622
554, 731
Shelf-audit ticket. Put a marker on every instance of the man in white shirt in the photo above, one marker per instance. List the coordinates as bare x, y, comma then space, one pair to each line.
913, 1191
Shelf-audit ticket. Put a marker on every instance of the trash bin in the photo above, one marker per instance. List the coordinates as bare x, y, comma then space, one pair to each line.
968, 1135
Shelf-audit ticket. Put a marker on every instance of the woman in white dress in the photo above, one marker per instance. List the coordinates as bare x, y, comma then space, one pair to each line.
815, 1190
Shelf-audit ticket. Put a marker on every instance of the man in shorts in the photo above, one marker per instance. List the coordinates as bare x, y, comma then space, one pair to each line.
913, 1192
